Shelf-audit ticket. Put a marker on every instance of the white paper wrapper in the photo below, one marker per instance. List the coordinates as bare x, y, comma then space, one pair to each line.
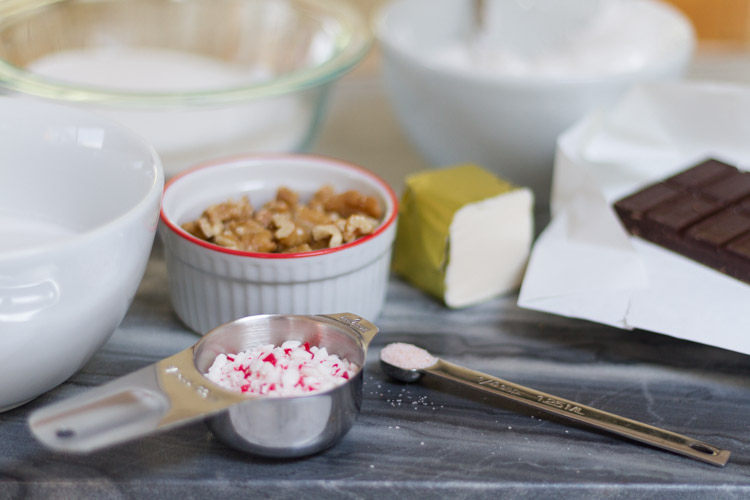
585, 265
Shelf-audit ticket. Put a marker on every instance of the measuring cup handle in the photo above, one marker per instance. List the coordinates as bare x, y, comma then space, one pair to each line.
153, 398
363, 328
125, 408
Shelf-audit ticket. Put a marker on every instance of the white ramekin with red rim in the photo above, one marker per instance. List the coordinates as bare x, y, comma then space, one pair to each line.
211, 285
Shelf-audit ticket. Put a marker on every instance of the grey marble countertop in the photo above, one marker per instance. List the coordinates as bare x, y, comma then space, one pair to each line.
430, 439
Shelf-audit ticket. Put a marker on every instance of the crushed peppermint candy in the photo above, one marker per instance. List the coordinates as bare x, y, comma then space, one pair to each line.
291, 369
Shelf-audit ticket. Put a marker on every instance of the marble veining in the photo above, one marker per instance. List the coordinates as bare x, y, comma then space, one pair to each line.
432, 438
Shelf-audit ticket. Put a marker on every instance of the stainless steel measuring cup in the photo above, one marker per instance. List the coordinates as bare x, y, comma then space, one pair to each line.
174, 391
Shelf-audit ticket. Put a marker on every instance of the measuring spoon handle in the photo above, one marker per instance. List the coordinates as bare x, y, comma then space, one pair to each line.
638, 431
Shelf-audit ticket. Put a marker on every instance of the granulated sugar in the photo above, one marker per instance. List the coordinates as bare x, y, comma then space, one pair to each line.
401, 397
291, 369
407, 356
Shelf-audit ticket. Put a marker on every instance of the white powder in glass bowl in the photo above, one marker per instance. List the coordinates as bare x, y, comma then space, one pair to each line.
186, 135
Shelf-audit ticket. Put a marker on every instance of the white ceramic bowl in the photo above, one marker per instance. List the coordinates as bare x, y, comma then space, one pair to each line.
79, 205
197, 78
211, 285
489, 110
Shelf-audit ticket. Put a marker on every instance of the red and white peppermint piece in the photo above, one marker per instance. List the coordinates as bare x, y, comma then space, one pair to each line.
291, 369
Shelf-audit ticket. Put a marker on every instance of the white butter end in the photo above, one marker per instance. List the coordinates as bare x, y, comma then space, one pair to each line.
489, 247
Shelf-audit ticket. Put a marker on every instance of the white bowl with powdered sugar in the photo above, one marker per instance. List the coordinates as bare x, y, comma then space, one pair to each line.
500, 94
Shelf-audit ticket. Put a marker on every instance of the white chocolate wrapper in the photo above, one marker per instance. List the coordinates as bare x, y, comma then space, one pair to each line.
585, 265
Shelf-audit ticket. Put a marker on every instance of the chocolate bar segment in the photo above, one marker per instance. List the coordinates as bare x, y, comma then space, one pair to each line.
721, 228
702, 213
638, 204
702, 174
729, 189
740, 247
681, 212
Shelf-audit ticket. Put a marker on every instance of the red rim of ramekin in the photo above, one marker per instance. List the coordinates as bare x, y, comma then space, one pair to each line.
270, 156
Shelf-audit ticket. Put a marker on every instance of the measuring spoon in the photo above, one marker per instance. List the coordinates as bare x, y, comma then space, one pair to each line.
417, 362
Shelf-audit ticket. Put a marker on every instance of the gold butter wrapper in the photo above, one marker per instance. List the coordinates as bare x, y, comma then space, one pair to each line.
430, 200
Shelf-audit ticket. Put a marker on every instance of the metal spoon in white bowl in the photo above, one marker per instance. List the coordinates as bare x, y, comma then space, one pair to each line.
408, 363
478, 8
529, 27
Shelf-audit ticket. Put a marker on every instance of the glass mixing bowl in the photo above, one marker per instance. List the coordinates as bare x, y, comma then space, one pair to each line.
196, 78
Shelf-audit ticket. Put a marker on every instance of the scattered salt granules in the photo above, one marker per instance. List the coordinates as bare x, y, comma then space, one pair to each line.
291, 369
407, 356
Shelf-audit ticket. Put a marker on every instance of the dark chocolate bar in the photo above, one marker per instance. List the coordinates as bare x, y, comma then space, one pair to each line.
702, 213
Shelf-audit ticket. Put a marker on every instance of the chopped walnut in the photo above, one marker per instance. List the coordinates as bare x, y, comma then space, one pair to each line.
353, 202
264, 217
259, 242
321, 197
284, 225
296, 238
246, 227
298, 249
329, 233
358, 225
278, 206
287, 196
309, 218
229, 210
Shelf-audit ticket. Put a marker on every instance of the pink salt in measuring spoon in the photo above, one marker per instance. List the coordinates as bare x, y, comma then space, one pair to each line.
408, 363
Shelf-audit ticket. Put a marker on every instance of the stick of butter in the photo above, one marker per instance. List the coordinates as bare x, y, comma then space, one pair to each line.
464, 235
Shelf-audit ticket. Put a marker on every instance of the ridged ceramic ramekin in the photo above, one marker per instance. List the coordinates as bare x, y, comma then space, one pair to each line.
211, 285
